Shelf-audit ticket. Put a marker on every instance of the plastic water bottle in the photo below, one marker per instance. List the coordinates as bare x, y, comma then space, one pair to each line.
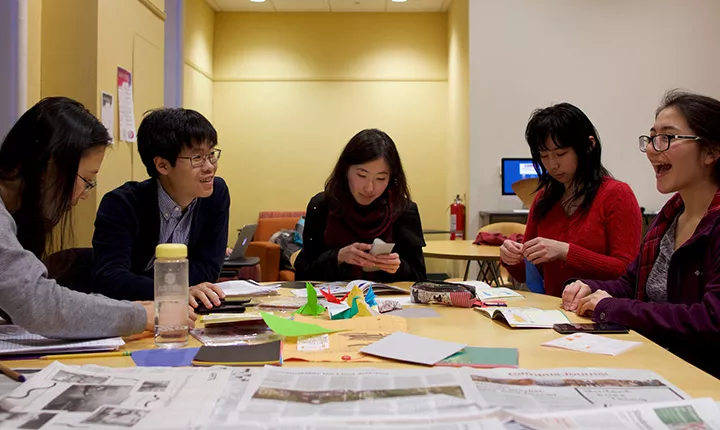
171, 295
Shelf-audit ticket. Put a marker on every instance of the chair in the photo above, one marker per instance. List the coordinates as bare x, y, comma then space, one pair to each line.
506, 229
72, 268
269, 223
525, 190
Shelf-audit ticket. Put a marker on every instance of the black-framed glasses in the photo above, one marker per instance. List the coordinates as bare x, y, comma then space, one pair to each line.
661, 142
89, 183
198, 160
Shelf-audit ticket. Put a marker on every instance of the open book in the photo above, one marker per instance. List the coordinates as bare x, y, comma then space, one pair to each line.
486, 292
525, 317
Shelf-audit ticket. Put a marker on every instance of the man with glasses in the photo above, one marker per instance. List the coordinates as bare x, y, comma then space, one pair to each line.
182, 202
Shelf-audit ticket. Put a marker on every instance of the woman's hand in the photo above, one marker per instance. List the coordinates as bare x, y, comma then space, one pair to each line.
357, 255
388, 262
588, 304
511, 252
541, 250
573, 293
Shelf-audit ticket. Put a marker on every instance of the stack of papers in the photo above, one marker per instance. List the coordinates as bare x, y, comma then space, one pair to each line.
15, 340
586, 342
247, 289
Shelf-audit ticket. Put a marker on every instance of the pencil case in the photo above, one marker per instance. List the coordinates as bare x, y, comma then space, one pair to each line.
446, 293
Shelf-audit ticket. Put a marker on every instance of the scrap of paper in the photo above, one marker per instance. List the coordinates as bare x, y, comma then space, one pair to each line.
311, 307
587, 342
314, 343
290, 328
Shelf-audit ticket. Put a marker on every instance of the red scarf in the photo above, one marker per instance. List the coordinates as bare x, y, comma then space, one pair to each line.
359, 224
650, 247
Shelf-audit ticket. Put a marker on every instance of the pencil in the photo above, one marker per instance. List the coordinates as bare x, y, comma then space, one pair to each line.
89, 355
11, 373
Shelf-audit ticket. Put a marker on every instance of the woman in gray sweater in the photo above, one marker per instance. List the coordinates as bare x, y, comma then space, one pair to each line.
47, 164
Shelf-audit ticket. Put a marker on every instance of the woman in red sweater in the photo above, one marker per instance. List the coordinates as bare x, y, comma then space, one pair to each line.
583, 223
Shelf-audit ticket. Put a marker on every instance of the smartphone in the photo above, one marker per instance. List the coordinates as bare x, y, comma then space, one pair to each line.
590, 328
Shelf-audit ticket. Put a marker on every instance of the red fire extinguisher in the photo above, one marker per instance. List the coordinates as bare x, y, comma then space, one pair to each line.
457, 219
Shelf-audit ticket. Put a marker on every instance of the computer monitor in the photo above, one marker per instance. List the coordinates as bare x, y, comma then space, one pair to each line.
514, 169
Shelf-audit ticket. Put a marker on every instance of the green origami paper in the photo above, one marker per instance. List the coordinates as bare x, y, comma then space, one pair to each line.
312, 307
290, 328
347, 313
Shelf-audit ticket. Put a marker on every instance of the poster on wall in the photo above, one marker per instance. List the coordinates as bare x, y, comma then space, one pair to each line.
107, 113
125, 105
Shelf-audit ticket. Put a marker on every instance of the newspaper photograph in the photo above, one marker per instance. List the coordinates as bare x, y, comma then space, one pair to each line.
549, 390
698, 414
139, 398
360, 396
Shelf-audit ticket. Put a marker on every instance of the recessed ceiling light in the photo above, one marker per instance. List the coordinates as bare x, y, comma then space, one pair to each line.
257, 1
399, 1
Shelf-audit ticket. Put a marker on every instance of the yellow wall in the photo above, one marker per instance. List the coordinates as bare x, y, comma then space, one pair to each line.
458, 164
34, 38
82, 44
291, 89
69, 68
198, 35
130, 36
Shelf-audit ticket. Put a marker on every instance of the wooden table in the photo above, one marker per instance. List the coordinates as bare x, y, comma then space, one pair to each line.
488, 257
470, 327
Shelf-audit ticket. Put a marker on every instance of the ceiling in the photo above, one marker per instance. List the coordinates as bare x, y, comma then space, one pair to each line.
329, 6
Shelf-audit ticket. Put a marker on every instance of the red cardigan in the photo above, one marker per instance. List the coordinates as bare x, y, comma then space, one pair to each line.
603, 241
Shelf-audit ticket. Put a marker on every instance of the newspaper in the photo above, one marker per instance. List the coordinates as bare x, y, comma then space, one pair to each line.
64, 396
360, 396
549, 390
689, 414
485, 424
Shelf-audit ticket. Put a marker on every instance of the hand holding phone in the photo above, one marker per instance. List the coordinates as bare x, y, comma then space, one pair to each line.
597, 328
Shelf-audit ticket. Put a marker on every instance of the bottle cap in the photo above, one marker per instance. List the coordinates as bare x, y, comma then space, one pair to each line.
171, 250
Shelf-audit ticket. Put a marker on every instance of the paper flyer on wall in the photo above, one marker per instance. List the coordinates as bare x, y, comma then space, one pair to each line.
126, 107
107, 113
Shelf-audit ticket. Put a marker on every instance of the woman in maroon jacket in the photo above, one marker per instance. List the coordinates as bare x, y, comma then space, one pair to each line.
671, 293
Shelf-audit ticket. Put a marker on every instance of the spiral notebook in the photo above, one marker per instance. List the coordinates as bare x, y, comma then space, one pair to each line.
15, 340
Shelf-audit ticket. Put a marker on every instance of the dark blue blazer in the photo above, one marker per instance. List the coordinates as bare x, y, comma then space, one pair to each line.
127, 230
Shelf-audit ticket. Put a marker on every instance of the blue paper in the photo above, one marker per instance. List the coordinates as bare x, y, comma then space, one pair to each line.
370, 297
164, 357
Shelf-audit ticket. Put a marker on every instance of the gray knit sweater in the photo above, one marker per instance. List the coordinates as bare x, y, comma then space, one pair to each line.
41, 306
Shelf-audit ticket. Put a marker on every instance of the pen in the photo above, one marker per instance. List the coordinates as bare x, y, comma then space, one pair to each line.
90, 355
11, 373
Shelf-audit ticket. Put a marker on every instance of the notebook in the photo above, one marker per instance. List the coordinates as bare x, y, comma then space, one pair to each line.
525, 317
247, 288
479, 357
15, 340
240, 355
486, 292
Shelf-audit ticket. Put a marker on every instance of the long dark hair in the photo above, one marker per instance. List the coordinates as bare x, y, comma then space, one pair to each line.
368, 145
702, 114
568, 127
43, 150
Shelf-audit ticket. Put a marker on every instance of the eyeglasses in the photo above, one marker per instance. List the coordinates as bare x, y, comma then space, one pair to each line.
89, 183
199, 160
661, 142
